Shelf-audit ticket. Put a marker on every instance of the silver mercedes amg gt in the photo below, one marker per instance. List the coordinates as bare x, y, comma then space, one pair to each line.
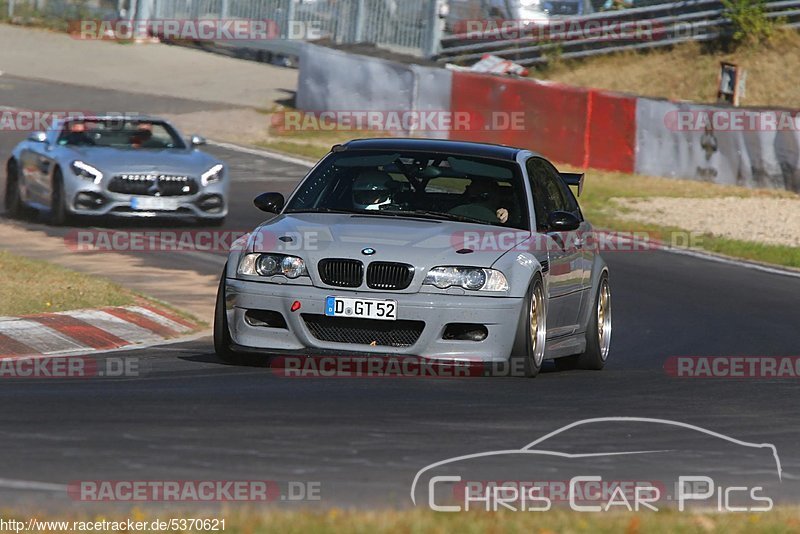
448, 251
119, 166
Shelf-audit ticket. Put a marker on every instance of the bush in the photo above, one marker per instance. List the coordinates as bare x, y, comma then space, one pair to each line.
751, 26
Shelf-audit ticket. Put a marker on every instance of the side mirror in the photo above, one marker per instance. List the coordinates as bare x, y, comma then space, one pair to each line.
563, 221
38, 137
197, 140
269, 202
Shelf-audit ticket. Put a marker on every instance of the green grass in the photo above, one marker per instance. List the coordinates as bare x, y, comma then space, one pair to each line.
29, 286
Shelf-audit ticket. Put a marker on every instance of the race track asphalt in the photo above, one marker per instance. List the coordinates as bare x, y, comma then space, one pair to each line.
191, 417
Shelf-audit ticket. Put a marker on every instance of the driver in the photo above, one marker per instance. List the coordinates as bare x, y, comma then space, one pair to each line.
143, 134
77, 134
372, 189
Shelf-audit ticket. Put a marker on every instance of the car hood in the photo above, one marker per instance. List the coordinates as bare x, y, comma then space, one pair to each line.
420, 242
113, 160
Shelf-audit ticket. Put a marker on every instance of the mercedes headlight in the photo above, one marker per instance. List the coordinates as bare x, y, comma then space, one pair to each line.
272, 265
84, 170
472, 278
212, 175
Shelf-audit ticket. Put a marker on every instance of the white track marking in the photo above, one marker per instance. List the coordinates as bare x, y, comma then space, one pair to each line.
9, 483
263, 153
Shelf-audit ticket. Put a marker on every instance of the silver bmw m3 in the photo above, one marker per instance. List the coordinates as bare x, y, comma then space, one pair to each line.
115, 166
447, 251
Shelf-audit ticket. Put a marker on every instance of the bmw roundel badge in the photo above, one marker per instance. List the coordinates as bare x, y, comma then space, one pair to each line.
368, 251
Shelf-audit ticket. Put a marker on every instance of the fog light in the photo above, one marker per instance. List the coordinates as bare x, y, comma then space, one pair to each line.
89, 200
265, 318
465, 332
211, 203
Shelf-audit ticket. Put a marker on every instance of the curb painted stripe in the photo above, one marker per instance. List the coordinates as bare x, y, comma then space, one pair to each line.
159, 318
81, 331
142, 321
42, 339
12, 347
130, 332
171, 316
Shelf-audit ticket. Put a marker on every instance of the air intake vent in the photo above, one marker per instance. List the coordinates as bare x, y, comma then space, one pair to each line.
341, 273
364, 331
545, 266
165, 185
389, 276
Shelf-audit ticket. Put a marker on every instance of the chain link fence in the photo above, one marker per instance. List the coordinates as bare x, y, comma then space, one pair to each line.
406, 26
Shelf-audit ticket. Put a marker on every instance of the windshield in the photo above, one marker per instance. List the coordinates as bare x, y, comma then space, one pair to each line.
118, 133
438, 186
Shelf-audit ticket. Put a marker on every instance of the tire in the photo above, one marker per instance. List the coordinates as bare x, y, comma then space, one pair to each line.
13, 202
598, 334
529, 346
222, 334
58, 204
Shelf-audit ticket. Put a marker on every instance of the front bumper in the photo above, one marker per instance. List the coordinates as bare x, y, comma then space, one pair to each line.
499, 315
119, 204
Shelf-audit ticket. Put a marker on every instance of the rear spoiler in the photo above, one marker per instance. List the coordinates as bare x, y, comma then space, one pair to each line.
574, 179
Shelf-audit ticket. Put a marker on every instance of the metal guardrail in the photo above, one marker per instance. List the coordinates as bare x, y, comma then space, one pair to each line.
669, 23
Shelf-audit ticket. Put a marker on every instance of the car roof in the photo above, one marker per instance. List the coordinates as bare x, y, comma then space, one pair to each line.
436, 145
114, 116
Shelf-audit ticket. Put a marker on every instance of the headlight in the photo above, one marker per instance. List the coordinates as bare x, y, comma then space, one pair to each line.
84, 170
272, 265
472, 278
212, 175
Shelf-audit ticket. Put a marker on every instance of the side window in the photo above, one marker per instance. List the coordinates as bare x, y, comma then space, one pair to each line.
550, 193
570, 203
542, 203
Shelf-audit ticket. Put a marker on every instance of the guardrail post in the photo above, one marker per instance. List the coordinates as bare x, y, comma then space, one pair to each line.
288, 20
10, 8
433, 30
361, 13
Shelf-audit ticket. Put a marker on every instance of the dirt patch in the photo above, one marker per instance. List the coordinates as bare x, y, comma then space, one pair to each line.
774, 221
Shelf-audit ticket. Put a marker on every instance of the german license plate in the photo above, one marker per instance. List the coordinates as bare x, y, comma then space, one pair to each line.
384, 310
154, 204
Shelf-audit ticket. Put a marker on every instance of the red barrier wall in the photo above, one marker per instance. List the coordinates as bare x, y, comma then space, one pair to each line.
612, 132
571, 125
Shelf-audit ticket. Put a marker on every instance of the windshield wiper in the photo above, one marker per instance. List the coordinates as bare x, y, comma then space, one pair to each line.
433, 215
324, 210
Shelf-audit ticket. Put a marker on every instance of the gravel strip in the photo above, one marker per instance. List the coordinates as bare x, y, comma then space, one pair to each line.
774, 221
